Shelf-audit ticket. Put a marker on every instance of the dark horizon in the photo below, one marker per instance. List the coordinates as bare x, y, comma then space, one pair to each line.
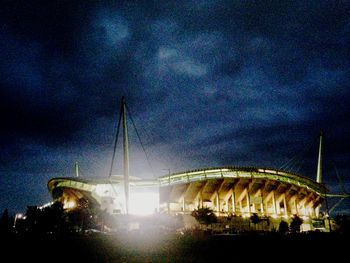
208, 83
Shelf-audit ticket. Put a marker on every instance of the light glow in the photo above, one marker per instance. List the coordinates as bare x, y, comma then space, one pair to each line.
143, 203
305, 218
69, 204
45, 205
19, 216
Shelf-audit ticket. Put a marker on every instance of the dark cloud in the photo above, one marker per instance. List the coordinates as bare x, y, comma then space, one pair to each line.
207, 82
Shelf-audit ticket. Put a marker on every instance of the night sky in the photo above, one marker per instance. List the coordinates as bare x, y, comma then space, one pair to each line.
207, 83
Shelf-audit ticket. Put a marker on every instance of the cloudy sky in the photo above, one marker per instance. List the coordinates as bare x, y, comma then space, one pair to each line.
207, 83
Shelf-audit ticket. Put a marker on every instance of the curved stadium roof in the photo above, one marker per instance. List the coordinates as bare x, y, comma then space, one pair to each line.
244, 172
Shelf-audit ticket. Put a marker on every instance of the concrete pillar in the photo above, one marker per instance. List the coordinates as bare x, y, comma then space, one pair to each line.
266, 201
253, 208
278, 207
233, 202
317, 211
262, 208
304, 210
313, 212
274, 203
248, 201
310, 209
262, 203
201, 198
217, 202
291, 204
285, 206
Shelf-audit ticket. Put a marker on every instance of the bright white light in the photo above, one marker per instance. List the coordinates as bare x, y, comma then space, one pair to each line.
143, 203
69, 204
45, 205
19, 215
305, 218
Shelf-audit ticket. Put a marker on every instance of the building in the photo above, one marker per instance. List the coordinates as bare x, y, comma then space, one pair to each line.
106, 194
238, 191
229, 191
242, 191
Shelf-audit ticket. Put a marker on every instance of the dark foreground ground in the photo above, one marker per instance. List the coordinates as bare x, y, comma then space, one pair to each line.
96, 247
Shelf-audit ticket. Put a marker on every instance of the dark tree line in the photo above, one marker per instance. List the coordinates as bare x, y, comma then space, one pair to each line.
55, 219
6, 222
343, 223
206, 216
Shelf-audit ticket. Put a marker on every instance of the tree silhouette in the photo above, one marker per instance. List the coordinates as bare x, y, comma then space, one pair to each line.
255, 219
204, 215
32, 219
295, 224
343, 223
50, 219
6, 222
82, 217
54, 218
283, 227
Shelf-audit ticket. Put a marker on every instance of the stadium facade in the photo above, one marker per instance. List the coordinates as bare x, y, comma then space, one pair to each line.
228, 191
242, 191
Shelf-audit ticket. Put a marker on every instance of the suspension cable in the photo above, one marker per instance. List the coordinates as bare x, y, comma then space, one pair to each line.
116, 141
138, 136
297, 161
340, 181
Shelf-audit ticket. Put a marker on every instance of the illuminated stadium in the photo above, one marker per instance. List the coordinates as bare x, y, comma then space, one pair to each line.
242, 191
238, 192
227, 191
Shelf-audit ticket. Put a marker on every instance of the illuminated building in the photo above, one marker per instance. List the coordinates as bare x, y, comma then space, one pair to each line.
228, 191
242, 191
106, 194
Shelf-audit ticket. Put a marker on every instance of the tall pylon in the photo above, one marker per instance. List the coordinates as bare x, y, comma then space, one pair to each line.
319, 162
126, 157
76, 167
123, 117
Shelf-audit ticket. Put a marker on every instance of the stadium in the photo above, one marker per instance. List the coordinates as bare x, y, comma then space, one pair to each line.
241, 191
230, 192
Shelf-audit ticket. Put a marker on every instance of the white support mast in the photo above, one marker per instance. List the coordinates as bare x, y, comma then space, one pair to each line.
319, 163
76, 166
126, 157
